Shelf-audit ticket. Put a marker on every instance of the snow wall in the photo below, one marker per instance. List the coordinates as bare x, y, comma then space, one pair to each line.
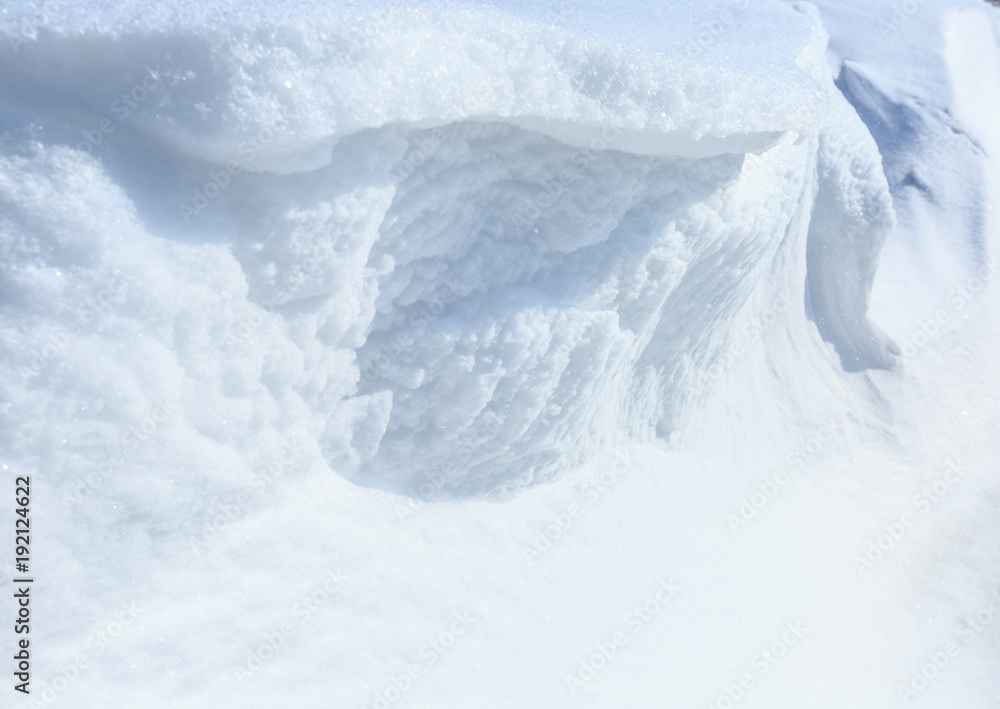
449, 248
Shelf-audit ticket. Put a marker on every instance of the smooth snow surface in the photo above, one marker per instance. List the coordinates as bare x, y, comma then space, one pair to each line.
415, 354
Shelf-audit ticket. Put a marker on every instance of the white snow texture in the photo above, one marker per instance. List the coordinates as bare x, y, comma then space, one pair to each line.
294, 293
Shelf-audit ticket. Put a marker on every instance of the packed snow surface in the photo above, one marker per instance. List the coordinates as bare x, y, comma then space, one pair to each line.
417, 353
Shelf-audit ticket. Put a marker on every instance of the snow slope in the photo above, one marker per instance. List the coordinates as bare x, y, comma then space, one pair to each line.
302, 304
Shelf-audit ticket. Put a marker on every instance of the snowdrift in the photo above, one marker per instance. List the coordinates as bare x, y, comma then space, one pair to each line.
453, 248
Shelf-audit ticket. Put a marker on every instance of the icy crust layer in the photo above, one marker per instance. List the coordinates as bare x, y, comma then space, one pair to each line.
456, 255
311, 80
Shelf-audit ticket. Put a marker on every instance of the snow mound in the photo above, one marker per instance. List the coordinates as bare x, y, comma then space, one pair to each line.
452, 248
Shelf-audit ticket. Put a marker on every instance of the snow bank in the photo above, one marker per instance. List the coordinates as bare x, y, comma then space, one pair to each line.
454, 248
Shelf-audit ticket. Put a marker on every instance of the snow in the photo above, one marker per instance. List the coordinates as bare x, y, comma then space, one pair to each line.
433, 354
